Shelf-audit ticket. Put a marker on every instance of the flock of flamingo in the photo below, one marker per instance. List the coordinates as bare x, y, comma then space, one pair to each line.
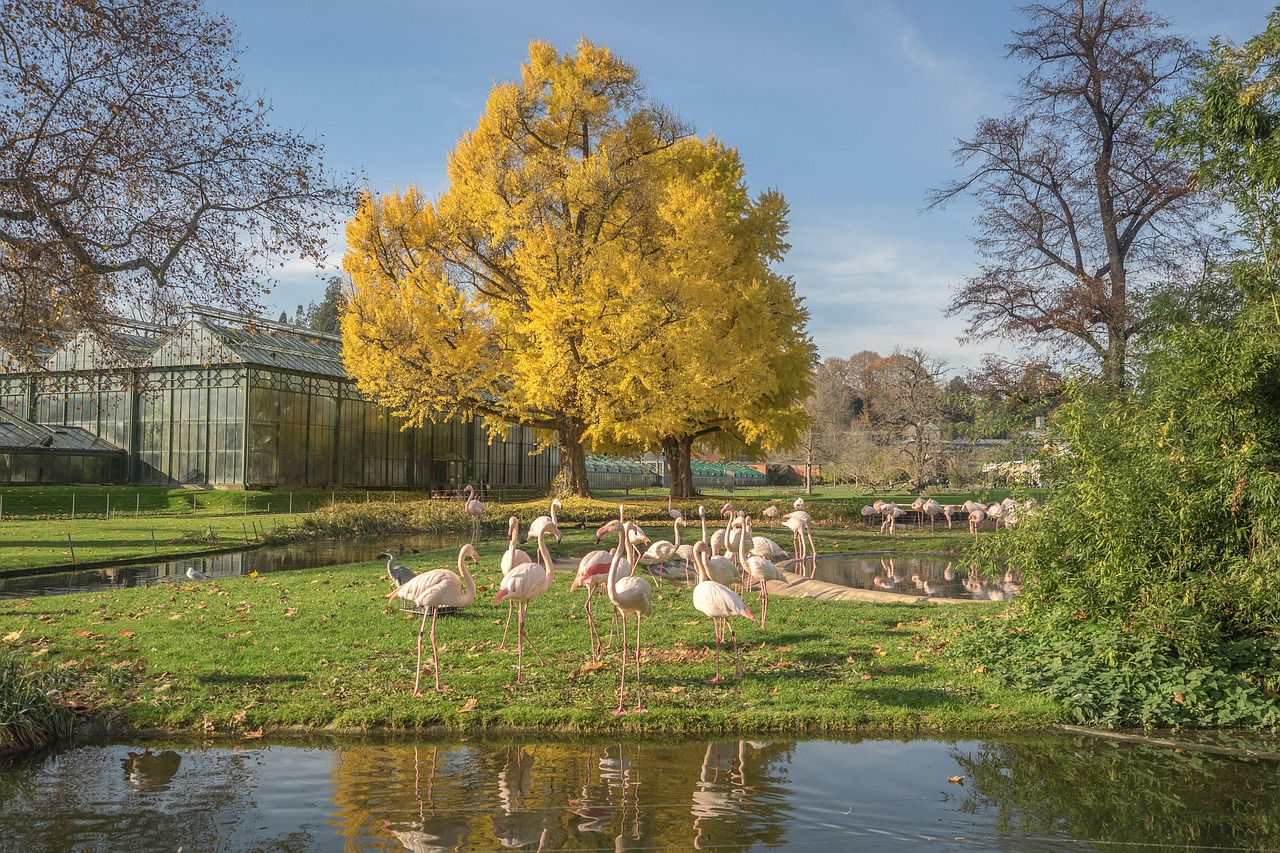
732, 555
1007, 511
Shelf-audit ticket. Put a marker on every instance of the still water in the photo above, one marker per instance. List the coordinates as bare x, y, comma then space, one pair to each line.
932, 575
1035, 793
271, 558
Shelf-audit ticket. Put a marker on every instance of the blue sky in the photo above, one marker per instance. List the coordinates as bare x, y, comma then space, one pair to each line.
850, 109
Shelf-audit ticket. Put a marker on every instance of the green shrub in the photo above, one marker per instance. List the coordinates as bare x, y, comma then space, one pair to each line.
31, 714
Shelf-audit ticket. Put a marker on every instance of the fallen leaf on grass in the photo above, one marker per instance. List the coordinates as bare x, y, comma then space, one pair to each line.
12, 636
470, 706
956, 780
866, 677
256, 733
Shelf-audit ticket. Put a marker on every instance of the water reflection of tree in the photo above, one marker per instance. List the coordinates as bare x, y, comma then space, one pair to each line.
1090, 789
92, 797
563, 796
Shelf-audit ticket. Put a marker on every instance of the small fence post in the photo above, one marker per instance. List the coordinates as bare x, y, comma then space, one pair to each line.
73, 549
245, 531
73, 508
137, 506
291, 503
108, 506
154, 549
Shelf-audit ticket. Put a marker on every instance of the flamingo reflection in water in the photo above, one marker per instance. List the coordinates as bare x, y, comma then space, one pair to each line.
430, 833
721, 788
592, 804
517, 827
624, 774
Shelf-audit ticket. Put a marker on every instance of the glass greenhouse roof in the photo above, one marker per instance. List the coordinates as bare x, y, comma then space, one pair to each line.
18, 434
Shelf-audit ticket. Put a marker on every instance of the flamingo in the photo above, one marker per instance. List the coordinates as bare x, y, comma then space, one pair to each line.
798, 506
523, 584
684, 550
593, 570
474, 509
543, 520
867, 511
763, 546
800, 523
976, 517
917, 506
996, 512
435, 589
629, 595
931, 509
770, 512
949, 510
759, 569
890, 511
720, 603
511, 558
673, 513
658, 552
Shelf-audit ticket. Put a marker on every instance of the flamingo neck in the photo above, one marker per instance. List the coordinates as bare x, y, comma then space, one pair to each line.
468, 582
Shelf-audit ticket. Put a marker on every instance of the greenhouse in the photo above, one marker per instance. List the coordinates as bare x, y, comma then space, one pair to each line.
229, 401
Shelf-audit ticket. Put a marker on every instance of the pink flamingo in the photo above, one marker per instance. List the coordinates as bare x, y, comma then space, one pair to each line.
629, 595
800, 523
593, 570
511, 558
523, 584
474, 509
435, 589
931, 509
720, 603
758, 569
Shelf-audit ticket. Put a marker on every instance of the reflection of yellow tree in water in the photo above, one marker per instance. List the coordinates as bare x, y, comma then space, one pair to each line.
553, 796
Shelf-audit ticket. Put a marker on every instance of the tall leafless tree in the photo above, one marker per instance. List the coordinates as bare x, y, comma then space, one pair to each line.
1080, 216
135, 174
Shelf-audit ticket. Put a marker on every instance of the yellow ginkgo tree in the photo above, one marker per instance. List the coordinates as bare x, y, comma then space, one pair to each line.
552, 277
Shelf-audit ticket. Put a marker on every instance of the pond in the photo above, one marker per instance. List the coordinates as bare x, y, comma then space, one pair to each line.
270, 558
932, 575
1048, 792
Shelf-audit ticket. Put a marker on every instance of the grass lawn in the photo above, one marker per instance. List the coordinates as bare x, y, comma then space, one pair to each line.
324, 649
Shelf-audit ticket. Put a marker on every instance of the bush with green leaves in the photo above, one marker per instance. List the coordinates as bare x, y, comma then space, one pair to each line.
1157, 554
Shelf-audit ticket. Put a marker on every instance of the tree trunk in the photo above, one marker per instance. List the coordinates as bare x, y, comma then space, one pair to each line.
808, 465
573, 461
679, 455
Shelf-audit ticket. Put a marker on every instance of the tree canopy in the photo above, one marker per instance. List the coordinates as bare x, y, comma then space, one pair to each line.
593, 271
135, 173
1080, 215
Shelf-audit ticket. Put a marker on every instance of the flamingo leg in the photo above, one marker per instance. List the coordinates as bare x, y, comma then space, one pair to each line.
520, 644
719, 638
622, 685
435, 655
526, 635
417, 670
639, 706
736, 660
591, 624
502, 647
